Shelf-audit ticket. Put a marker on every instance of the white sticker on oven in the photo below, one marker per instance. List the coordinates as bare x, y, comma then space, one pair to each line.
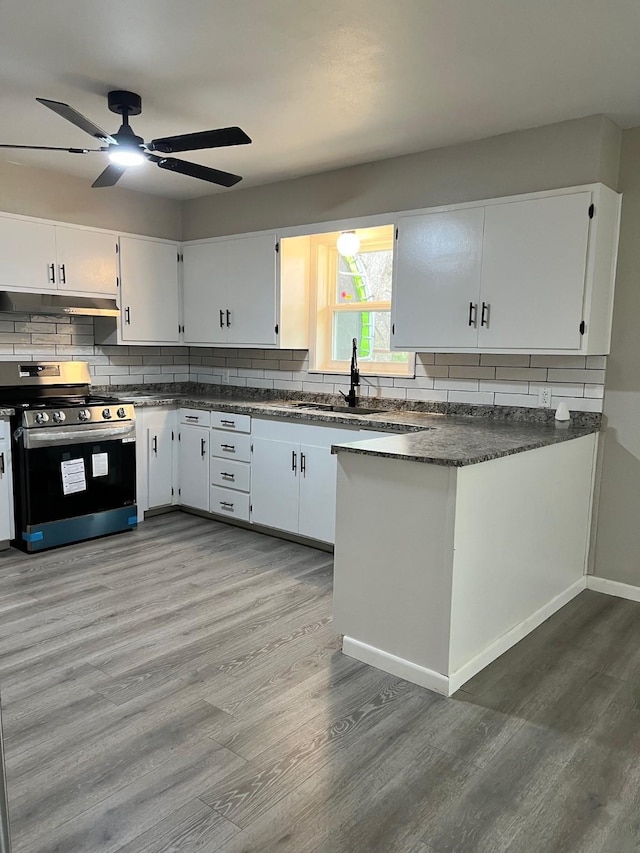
99, 464
73, 476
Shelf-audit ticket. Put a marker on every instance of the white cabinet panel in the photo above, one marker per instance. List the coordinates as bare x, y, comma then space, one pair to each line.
229, 474
437, 279
533, 272
230, 292
6, 486
149, 294
86, 260
27, 254
317, 513
194, 466
160, 443
228, 445
274, 484
229, 503
194, 417
225, 420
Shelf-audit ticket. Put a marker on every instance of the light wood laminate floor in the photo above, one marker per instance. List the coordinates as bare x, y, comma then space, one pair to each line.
180, 688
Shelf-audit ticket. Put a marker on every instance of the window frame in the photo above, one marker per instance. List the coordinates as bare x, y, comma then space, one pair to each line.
324, 305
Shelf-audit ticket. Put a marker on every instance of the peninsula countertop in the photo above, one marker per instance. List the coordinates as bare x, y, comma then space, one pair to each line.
433, 438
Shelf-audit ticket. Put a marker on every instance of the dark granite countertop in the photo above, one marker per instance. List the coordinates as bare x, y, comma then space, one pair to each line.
6, 413
434, 438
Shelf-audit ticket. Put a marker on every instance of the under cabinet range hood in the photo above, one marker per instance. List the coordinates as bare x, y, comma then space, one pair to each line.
54, 303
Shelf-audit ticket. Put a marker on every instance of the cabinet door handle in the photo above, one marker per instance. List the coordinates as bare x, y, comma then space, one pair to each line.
484, 319
1, 465
52, 273
303, 465
221, 319
228, 317
473, 313
294, 461
226, 505
230, 448
203, 447
62, 273
127, 315
155, 444
227, 476
227, 423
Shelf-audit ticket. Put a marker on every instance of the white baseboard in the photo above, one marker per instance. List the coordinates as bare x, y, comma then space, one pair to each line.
620, 590
396, 666
506, 641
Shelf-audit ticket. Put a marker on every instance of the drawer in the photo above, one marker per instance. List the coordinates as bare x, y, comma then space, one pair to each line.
230, 474
196, 417
229, 503
225, 420
229, 445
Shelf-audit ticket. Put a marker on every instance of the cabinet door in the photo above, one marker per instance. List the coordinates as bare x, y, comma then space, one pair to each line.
251, 290
6, 503
533, 272
149, 301
87, 260
194, 467
317, 517
437, 274
274, 483
27, 254
160, 466
204, 288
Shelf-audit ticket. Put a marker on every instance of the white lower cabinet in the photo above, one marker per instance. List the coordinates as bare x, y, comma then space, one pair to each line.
194, 466
6, 487
293, 477
156, 458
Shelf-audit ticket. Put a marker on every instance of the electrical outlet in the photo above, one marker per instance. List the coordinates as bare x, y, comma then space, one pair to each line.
544, 397
225, 376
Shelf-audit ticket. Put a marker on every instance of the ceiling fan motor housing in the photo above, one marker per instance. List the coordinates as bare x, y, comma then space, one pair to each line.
124, 103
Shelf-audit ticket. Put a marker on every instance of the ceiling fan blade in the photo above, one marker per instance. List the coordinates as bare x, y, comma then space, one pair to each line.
219, 138
65, 111
110, 176
52, 148
194, 170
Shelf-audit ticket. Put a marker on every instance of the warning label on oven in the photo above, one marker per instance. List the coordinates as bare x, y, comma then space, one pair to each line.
73, 476
99, 464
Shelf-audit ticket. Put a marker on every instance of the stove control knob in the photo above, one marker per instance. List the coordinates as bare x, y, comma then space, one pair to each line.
84, 415
121, 413
106, 414
42, 418
59, 417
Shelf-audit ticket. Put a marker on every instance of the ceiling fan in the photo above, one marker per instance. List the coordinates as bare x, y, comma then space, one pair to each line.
124, 148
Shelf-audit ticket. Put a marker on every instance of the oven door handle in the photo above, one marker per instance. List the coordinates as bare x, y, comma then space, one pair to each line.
87, 435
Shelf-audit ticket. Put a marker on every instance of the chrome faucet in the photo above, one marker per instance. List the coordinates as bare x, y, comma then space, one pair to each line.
352, 397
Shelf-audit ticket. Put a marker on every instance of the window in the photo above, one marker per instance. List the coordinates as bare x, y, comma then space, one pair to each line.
353, 300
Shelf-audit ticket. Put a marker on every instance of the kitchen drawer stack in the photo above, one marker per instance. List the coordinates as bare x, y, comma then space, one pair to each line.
230, 464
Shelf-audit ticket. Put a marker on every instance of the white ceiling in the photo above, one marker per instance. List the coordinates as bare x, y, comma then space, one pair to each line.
317, 85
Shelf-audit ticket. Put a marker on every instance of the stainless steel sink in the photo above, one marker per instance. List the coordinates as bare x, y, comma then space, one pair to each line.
326, 407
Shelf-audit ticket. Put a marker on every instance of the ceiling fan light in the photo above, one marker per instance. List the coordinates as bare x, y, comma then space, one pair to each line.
348, 243
124, 155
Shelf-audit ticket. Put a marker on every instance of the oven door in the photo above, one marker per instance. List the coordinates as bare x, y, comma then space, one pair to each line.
86, 474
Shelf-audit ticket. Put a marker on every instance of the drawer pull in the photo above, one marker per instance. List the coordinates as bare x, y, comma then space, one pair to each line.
226, 476
228, 448
227, 423
192, 417
226, 505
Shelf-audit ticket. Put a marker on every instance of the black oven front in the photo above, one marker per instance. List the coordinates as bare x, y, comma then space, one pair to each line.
73, 483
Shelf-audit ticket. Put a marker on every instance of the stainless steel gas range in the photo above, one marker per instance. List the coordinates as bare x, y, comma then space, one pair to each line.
74, 459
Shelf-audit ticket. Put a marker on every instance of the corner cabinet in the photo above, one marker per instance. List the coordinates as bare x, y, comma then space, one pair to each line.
193, 458
6, 487
230, 291
534, 274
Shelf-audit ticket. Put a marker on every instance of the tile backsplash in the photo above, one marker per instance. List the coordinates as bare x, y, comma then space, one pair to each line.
482, 379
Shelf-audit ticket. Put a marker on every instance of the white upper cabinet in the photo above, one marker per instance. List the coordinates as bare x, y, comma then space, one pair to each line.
230, 291
45, 257
535, 274
87, 261
149, 292
27, 254
438, 265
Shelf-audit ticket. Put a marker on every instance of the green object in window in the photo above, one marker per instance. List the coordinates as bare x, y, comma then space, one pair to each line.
366, 335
